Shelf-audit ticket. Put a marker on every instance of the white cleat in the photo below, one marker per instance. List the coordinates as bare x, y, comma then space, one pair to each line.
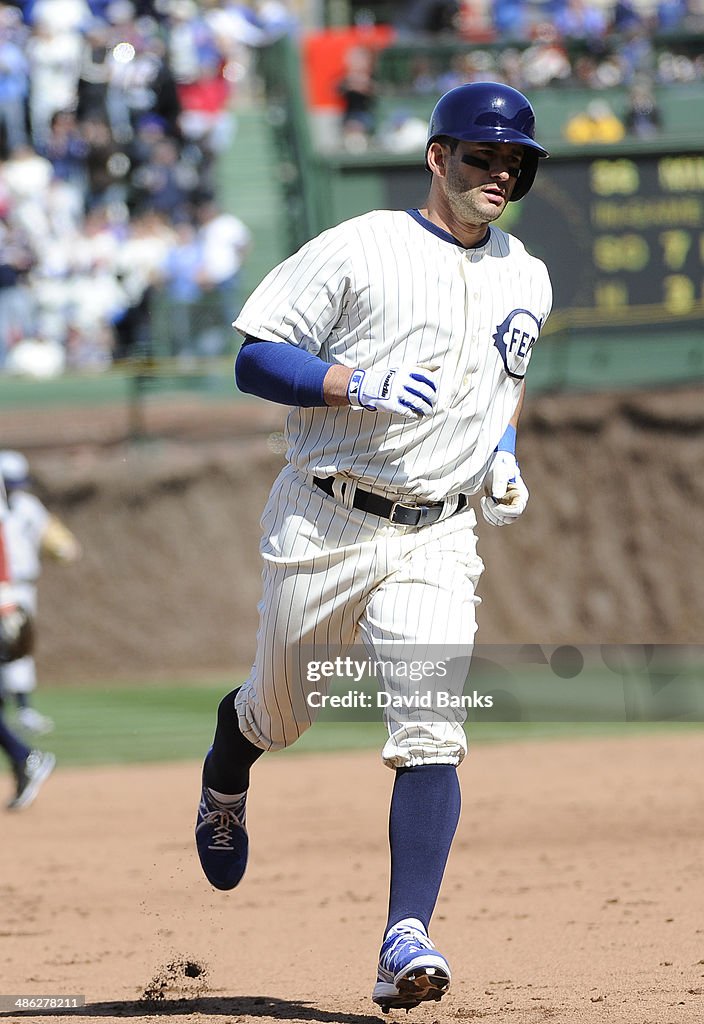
30, 775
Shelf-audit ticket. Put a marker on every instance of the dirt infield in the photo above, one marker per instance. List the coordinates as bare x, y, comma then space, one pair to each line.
574, 891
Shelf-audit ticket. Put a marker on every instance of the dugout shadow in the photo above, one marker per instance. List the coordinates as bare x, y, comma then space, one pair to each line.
216, 1006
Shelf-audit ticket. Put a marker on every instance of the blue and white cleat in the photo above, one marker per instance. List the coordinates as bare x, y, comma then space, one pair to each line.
221, 839
30, 776
411, 970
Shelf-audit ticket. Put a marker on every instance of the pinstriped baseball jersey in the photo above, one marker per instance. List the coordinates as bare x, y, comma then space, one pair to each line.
391, 288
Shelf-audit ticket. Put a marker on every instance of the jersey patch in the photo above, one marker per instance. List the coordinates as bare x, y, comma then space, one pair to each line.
514, 338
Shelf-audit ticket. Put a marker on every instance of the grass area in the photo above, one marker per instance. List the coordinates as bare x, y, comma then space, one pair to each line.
105, 724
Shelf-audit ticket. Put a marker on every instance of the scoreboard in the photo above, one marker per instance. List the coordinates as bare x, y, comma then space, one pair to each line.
622, 235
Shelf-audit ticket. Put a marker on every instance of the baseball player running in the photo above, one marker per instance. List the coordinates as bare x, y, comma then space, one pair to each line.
401, 339
31, 533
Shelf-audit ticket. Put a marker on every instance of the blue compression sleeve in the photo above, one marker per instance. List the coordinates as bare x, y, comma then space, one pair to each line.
508, 441
280, 373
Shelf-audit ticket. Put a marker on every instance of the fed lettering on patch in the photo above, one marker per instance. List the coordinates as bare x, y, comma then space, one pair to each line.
514, 338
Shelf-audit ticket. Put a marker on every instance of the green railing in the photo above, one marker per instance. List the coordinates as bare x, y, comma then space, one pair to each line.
300, 170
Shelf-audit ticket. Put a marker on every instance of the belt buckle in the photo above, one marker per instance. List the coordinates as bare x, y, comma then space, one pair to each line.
404, 506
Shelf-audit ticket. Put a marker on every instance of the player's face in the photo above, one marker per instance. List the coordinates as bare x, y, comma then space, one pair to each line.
480, 179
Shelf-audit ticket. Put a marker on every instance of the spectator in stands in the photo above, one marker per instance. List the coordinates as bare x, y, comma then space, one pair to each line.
198, 62
66, 150
140, 82
14, 85
164, 182
27, 177
576, 19
94, 75
510, 68
546, 61
423, 78
475, 66
358, 91
107, 164
609, 72
275, 17
57, 219
585, 71
626, 16
149, 130
179, 276
137, 264
432, 16
404, 133
671, 14
54, 51
241, 24
65, 15
239, 29
678, 67
636, 53
17, 309
642, 118
224, 243
510, 19
97, 297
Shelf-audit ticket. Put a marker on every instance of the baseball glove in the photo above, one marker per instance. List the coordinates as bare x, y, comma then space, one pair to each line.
16, 633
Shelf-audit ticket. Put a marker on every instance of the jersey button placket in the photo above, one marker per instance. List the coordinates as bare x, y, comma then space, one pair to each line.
472, 297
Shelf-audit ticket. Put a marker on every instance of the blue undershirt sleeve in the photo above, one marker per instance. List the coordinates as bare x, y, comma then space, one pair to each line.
280, 373
508, 441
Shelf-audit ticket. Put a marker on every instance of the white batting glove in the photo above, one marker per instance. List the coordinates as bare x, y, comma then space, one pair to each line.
506, 495
406, 391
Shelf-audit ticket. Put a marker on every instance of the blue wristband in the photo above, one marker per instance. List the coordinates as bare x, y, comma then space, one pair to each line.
508, 441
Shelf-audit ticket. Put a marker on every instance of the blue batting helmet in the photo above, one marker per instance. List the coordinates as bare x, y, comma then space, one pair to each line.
489, 112
14, 469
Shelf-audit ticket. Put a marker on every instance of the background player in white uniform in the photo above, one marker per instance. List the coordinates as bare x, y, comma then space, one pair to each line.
31, 532
30, 768
401, 339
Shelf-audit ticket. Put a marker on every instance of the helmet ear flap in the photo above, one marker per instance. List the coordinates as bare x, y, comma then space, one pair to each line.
526, 175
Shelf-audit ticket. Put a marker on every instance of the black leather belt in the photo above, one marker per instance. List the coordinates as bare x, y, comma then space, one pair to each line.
398, 512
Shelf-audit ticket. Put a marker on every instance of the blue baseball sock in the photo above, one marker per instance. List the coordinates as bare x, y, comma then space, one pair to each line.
15, 749
425, 810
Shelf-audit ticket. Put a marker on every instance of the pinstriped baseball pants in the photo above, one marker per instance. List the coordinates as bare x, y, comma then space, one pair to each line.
335, 579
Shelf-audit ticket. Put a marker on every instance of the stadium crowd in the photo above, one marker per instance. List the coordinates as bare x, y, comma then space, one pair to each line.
475, 20
530, 44
112, 116
573, 42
